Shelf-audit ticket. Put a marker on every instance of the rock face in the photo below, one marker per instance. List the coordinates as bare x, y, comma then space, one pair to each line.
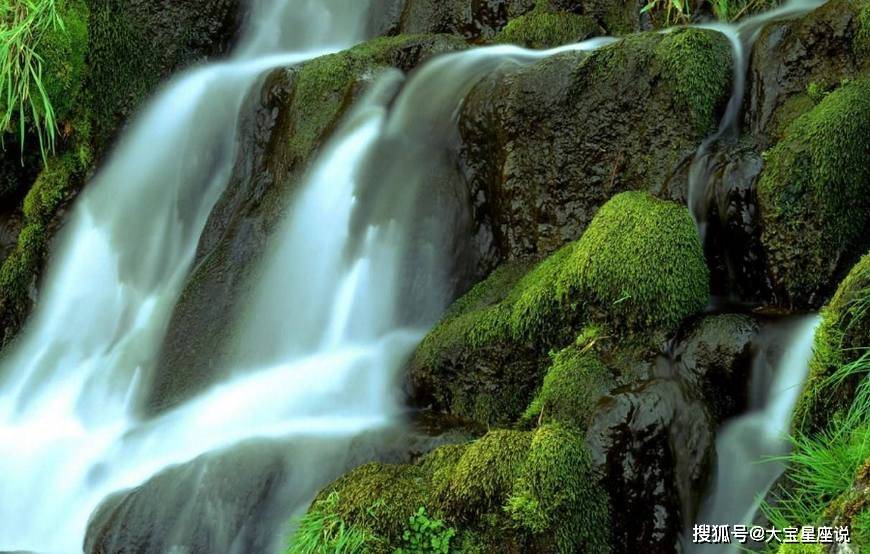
549, 143
807, 104
653, 443
715, 359
136, 44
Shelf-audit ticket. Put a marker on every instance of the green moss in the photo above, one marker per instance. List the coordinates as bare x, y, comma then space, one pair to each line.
323, 87
572, 386
557, 496
861, 44
485, 473
861, 528
51, 189
842, 337
814, 193
378, 499
542, 28
800, 549
64, 51
696, 60
640, 264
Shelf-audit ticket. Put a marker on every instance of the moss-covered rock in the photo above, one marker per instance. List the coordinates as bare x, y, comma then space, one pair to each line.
572, 385
638, 268
546, 144
545, 29
557, 497
842, 338
800, 549
814, 195
379, 498
640, 264
485, 473
19, 271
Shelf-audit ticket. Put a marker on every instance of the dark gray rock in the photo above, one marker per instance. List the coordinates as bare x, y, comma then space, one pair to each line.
653, 443
716, 360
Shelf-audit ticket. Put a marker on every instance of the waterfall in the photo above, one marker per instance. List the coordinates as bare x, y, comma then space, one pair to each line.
353, 278
67, 383
746, 444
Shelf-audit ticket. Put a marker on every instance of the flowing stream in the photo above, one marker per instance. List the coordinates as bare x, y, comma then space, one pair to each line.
747, 446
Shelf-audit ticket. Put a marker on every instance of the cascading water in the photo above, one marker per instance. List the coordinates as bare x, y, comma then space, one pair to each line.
124, 254
328, 325
746, 444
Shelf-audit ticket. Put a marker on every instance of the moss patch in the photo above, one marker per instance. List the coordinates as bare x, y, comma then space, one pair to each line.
542, 28
57, 181
572, 386
557, 497
842, 337
65, 52
484, 474
814, 194
640, 264
695, 59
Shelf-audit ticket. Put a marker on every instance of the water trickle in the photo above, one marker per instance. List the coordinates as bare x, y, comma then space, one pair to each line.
745, 445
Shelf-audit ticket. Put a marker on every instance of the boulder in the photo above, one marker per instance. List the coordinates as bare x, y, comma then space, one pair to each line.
546, 144
715, 359
653, 441
638, 271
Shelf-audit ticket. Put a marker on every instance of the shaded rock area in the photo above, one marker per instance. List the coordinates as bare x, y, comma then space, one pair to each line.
293, 115
547, 144
715, 359
653, 443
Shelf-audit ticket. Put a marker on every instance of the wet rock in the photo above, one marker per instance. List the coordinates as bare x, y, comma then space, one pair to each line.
790, 55
548, 143
471, 19
137, 44
653, 442
280, 135
715, 359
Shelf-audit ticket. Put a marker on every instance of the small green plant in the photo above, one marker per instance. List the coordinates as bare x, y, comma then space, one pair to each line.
667, 13
23, 96
323, 530
425, 535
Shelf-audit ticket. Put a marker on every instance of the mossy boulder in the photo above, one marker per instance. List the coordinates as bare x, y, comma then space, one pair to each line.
814, 195
65, 50
547, 143
639, 269
843, 336
484, 474
529, 491
556, 497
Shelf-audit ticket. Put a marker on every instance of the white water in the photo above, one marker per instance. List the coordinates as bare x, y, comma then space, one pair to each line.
327, 327
745, 445
66, 385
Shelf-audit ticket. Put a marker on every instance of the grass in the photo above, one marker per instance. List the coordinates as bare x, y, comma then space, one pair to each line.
323, 530
824, 465
667, 13
24, 94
